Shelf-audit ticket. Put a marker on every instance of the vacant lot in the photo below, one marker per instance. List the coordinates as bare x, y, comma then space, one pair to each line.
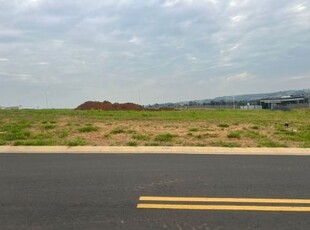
228, 128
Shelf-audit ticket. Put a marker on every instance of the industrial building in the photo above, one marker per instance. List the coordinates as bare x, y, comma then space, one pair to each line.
284, 102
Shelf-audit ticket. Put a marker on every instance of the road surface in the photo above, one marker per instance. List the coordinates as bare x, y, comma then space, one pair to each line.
149, 191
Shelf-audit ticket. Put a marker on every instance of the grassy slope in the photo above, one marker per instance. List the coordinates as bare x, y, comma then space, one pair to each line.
187, 127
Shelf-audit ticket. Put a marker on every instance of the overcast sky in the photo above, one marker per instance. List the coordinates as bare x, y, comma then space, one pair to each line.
61, 53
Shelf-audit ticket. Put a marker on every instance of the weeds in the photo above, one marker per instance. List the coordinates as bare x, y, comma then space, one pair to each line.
63, 134
141, 137
49, 126
223, 125
234, 135
88, 129
35, 143
224, 144
164, 137
79, 141
117, 131
271, 144
132, 143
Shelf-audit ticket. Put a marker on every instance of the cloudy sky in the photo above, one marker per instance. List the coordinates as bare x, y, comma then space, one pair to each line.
61, 53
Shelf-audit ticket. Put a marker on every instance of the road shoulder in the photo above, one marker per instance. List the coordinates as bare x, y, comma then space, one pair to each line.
155, 149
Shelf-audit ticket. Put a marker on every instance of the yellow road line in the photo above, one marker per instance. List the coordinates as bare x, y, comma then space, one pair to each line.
231, 200
224, 207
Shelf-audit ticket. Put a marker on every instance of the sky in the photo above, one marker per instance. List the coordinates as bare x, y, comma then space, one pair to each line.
59, 54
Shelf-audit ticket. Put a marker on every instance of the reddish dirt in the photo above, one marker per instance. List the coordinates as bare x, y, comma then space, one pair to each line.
106, 105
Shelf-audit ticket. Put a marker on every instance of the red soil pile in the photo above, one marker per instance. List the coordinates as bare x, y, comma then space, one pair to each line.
106, 105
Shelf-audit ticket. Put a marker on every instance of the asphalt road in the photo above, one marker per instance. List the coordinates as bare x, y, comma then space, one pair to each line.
90, 191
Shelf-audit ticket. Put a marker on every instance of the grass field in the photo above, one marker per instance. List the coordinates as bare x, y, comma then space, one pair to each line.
225, 128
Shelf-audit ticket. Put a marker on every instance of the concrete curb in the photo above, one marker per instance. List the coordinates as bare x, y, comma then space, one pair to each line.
155, 150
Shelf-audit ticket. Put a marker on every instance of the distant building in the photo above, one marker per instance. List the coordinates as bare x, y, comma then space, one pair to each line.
284, 102
9, 108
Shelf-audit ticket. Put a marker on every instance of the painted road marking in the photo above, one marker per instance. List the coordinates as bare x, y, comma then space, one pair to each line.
230, 200
225, 207
229, 204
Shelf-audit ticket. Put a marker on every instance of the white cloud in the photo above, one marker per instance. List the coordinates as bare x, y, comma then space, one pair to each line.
300, 77
170, 3
10, 32
4, 60
43, 63
136, 41
299, 8
236, 3
237, 18
16, 76
240, 77
235, 47
191, 58
191, 3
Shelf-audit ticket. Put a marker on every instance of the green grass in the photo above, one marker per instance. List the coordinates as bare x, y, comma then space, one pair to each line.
152, 144
271, 144
236, 135
79, 141
57, 126
132, 143
253, 135
15, 131
224, 144
63, 134
118, 131
223, 125
141, 137
49, 126
34, 143
164, 137
88, 129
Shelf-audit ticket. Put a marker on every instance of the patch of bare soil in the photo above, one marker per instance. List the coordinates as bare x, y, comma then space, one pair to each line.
106, 105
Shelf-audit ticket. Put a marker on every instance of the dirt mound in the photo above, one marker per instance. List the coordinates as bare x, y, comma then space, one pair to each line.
106, 105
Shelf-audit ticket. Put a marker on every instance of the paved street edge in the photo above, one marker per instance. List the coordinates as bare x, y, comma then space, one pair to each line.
155, 150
